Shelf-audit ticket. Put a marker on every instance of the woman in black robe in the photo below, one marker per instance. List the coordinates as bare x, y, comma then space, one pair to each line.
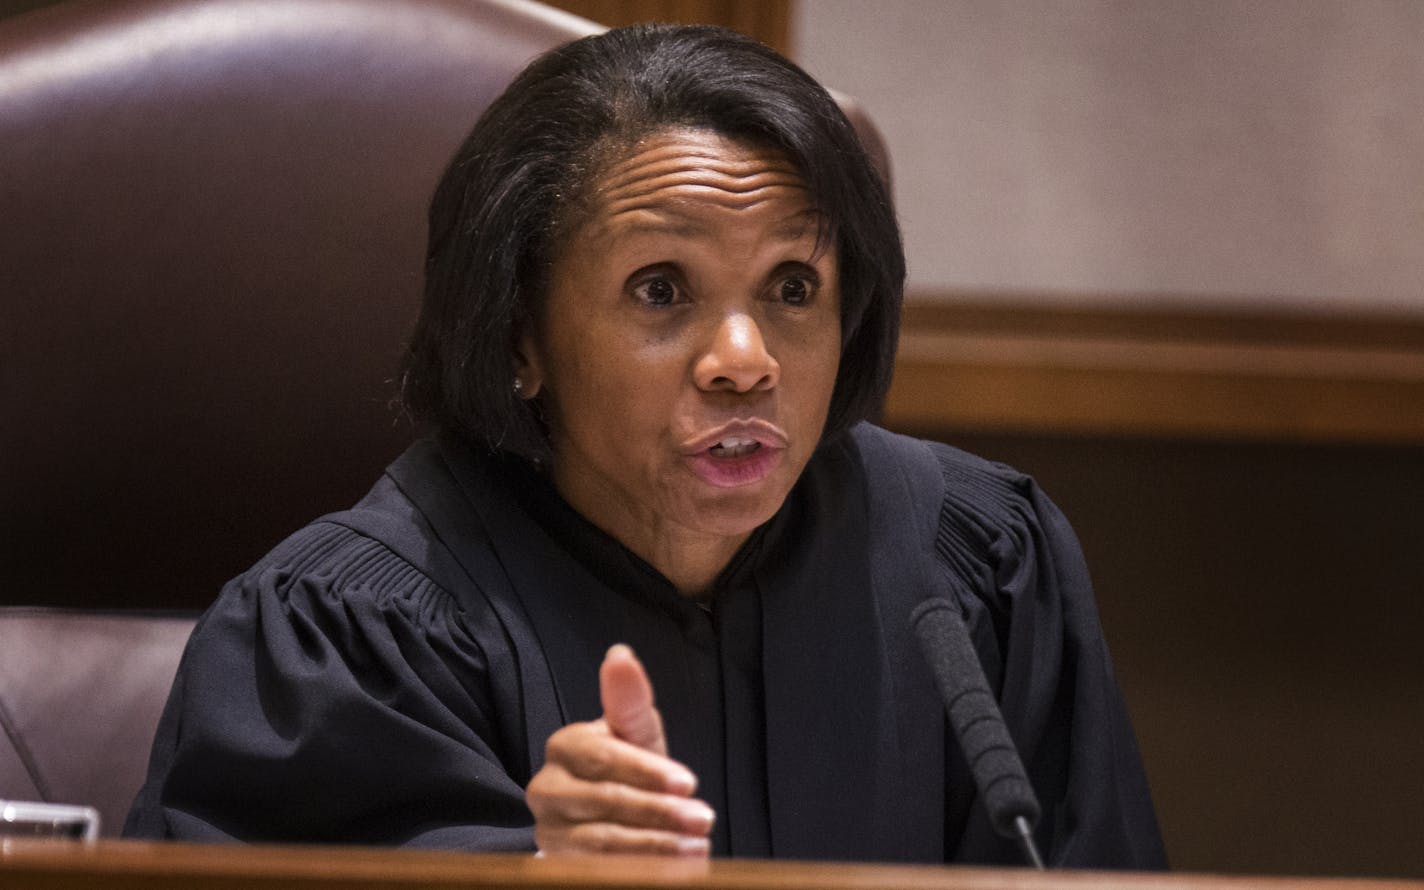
662, 298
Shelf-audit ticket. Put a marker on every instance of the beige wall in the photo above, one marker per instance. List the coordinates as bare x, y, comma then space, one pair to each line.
1266, 152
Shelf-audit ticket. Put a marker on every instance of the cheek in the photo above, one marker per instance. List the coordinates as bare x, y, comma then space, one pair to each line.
817, 357
607, 385
825, 386
827, 371
580, 351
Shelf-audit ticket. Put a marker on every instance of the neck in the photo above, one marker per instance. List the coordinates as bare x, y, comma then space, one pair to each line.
689, 558
693, 570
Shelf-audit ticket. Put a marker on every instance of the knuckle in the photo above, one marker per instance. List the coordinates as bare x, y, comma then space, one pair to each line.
621, 798
560, 743
582, 751
541, 789
552, 793
634, 807
597, 762
596, 837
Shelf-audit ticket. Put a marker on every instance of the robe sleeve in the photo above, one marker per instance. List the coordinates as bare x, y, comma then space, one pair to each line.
1016, 566
335, 693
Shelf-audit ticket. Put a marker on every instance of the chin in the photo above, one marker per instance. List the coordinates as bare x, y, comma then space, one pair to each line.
731, 513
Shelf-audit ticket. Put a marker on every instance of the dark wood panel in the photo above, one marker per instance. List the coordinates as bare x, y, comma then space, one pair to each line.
1264, 603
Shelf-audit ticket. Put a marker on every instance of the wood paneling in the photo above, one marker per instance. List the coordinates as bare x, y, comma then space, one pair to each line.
766, 20
1021, 366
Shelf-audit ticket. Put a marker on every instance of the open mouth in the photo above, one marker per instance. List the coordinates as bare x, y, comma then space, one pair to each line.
733, 447
739, 454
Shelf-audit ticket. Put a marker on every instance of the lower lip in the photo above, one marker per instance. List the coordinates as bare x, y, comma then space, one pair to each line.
733, 472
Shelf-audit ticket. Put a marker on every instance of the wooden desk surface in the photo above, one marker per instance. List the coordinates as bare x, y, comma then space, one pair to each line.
111, 865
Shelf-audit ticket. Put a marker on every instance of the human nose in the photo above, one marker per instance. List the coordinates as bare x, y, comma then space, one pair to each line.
737, 358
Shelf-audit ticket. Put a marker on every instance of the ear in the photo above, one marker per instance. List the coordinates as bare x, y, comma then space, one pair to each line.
528, 366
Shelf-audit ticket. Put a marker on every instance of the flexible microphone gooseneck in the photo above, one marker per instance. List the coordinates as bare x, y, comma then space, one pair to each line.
978, 725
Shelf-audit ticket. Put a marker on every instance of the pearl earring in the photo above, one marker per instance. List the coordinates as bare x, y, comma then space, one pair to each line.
518, 386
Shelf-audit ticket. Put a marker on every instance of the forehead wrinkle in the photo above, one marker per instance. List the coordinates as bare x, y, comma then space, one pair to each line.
713, 168
662, 161
681, 191
677, 178
673, 197
668, 186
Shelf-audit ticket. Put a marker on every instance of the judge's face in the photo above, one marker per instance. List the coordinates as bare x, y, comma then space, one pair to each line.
689, 344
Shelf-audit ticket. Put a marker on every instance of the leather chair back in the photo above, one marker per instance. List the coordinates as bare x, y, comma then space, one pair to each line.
213, 222
80, 696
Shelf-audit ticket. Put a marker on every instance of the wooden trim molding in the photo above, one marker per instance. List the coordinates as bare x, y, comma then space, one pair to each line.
1020, 365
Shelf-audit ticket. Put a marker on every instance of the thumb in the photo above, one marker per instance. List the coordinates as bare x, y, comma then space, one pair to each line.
627, 696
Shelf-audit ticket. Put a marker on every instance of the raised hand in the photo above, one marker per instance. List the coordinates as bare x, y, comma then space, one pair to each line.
608, 786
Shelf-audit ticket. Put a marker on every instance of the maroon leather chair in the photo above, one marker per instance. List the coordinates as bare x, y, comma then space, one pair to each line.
213, 220
212, 227
80, 695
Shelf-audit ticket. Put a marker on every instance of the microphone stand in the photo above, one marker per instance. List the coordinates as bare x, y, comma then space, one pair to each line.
978, 725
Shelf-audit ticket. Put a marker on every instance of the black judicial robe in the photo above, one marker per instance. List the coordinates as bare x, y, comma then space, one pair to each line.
390, 673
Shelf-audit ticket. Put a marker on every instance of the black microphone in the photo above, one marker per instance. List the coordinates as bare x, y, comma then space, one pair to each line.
978, 725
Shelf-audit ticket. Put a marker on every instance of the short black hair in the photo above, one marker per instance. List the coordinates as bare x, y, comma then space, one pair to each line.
506, 198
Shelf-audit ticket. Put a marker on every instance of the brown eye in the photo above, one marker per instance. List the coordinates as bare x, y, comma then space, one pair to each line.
656, 292
795, 291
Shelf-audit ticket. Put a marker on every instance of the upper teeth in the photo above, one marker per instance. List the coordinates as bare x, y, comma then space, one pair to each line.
736, 447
